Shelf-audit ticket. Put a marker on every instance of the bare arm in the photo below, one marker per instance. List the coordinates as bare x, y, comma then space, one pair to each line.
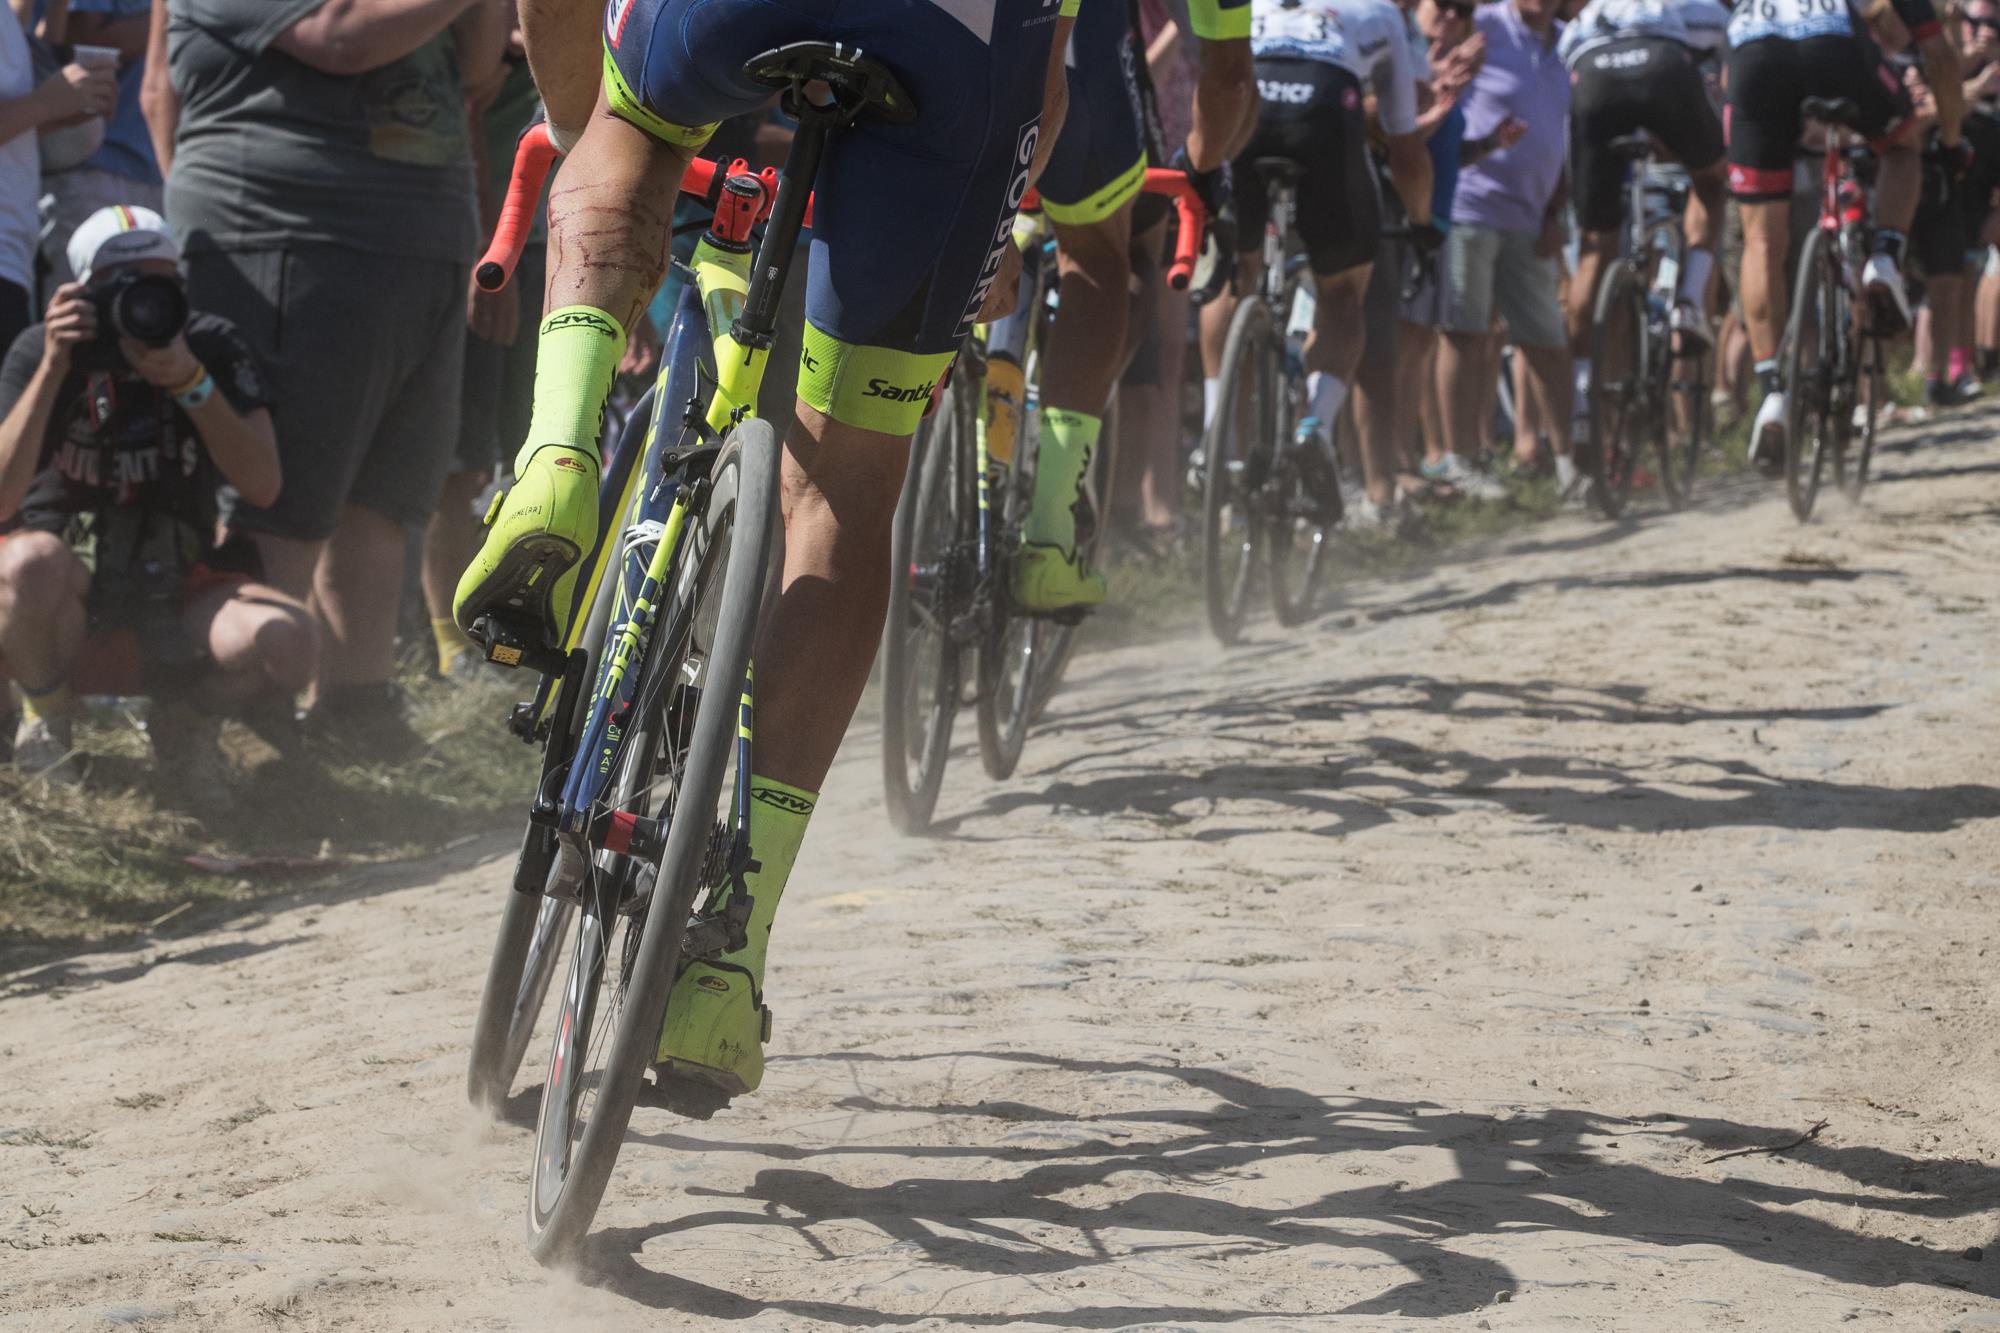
481, 33
1410, 169
355, 36
244, 446
1165, 48
55, 25
1947, 80
66, 95
158, 101
1225, 104
21, 436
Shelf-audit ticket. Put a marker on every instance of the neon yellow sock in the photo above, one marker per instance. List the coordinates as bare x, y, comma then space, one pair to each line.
778, 817
576, 359
52, 701
451, 642
1064, 453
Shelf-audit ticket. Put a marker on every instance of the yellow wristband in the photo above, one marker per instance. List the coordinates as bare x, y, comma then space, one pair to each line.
194, 381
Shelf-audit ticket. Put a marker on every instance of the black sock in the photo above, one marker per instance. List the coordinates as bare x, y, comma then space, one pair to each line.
1989, 361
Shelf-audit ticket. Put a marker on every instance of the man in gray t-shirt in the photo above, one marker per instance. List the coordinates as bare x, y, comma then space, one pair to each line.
322, 191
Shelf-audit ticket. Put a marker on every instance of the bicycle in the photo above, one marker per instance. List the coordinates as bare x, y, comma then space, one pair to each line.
1268, 496
1631, 329
1836, 384
967, 495
639, 826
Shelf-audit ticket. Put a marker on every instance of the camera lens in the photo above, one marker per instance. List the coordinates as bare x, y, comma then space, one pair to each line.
150, 309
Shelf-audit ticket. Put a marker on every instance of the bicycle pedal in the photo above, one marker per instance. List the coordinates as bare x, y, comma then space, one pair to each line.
511, 644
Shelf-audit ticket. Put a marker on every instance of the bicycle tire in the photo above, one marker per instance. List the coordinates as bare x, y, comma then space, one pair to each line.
1807, 394
1617, 407
705, 739
920, 654
1688, 411
1229, 491
1871, 390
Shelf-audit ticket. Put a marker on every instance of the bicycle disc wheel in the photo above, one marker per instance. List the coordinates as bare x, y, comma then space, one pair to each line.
1871, 390
1618, 407
672, 764
1812, 350
920, 652
1237, 452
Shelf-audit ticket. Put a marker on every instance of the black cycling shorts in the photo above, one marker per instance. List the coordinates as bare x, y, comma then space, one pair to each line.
1312, 116
1099, 162
1621, 88
1769, 77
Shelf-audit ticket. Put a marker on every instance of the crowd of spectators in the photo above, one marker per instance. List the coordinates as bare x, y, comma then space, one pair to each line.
251, 402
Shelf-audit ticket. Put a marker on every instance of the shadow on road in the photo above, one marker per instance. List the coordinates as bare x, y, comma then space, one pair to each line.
1555, 1171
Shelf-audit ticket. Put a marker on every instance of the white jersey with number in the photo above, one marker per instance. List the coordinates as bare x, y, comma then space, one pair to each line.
1368, 38
1699, 25
1792, 20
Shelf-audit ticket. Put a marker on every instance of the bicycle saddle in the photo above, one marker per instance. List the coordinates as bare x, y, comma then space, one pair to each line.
1627, 147
1840, 111
1278, 170
859, 81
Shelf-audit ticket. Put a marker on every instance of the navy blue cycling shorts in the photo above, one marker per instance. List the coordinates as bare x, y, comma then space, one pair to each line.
909, 221
1099, 163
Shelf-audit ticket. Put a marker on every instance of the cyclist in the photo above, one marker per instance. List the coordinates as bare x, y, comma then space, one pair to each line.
912, 244
1635, 65
1780, 53
1316, 59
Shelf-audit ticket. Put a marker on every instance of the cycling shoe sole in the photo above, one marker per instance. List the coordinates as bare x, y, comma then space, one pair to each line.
523, 583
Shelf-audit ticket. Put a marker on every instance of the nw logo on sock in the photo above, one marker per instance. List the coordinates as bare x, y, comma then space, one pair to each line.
783, 800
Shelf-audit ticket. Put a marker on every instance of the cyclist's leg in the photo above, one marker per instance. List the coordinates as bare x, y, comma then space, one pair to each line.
1093, 176
1765, 89
1678, 114
1608, 101
911, 226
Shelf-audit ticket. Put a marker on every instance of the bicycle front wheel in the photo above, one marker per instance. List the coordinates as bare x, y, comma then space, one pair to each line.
1238, 446
1871, 390
673, 764
1618, 387
929, 551
1813, 350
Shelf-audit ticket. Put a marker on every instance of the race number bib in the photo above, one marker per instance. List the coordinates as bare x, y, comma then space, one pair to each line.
1793, 20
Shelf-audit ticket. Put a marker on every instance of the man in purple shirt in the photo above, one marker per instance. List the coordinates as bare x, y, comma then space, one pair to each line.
1506, 226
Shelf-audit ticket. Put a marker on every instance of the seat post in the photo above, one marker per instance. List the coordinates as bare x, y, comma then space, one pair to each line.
758, 323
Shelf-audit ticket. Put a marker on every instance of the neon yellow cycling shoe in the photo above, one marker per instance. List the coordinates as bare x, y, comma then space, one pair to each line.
1046, 578
712, 1045
536, 534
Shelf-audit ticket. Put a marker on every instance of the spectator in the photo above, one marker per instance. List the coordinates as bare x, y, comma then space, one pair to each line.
122, 170
120, 446
321, 186
1507, 225
499, 375
71, 94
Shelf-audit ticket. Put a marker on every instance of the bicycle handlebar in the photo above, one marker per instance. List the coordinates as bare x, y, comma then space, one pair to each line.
535, 156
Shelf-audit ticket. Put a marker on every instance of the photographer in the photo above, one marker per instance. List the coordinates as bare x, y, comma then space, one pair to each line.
121, 418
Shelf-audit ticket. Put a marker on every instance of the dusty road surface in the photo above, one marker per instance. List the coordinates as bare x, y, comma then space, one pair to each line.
1422, 969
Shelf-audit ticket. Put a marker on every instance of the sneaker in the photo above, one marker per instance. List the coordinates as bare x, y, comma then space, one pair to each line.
1969, 386
712, 1045
363, 723
1046, 580
1691, 324
1466, 479
535, 535
45, 750
1767, 436
1888, 298
1939, 393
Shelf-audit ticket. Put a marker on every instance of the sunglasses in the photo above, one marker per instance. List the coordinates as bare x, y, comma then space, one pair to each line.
1990, 23
1463, 12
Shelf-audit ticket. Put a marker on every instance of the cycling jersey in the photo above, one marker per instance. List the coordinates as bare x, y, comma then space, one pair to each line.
1626, 82
1699, 25
1312, 116
1099, 162
1211, 20
1370, 39
911, 221
1770, 76
1798, 20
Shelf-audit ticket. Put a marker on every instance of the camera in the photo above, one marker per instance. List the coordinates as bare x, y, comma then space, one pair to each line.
149, 308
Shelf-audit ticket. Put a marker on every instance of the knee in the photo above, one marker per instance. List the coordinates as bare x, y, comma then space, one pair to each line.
39, 574
286, 645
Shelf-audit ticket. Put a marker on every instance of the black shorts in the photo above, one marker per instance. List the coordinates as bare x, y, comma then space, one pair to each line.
1099, 161
1312, 116
1621, 88
1769, 77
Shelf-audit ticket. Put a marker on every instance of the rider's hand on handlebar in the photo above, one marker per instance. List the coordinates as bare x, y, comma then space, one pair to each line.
1425, 237
1213, 187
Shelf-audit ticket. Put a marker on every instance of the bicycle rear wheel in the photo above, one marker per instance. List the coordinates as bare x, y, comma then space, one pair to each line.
1813, 350
1618, 383
677, 752
1238, 449
929, 555
1683, 437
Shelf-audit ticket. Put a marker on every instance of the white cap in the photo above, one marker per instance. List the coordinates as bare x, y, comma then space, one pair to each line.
119, 234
